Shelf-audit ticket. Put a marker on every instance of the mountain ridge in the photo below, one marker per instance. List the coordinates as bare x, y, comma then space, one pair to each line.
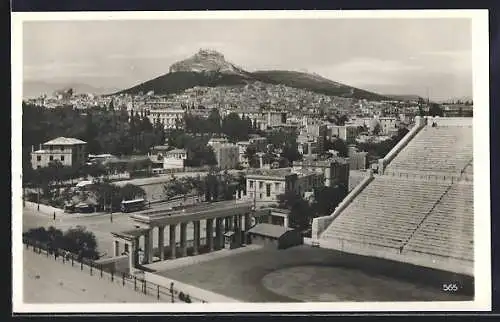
210, 68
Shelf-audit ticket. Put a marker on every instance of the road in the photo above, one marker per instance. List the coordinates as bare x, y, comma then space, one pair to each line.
101, 225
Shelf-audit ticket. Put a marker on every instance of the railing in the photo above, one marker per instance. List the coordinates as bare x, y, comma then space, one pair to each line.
140, 285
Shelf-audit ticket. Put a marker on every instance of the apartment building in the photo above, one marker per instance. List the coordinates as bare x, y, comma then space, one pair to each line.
332, 170
347, 133
68, 151
357, 159
265, 185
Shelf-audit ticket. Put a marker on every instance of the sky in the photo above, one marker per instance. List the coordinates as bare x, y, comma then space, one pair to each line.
427, 57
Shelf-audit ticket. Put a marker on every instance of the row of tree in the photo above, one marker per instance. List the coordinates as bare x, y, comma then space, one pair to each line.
232, 126
104, 130
109, 196
215, 186
77, 240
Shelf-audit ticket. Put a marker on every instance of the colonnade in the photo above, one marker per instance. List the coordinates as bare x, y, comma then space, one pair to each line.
236, 223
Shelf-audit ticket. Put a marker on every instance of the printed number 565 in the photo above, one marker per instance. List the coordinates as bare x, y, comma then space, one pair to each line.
450, 287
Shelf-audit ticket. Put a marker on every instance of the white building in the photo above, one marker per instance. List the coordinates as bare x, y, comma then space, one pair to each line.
170, 118
174, 159
67, 151
265, 185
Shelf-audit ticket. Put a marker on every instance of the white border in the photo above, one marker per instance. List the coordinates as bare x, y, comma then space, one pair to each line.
482, 238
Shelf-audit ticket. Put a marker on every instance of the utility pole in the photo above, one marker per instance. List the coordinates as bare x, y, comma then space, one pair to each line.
38, 199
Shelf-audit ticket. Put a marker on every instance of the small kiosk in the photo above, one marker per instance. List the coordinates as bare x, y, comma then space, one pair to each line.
230, 241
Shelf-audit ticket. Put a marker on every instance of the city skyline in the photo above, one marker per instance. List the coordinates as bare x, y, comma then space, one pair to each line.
426, 57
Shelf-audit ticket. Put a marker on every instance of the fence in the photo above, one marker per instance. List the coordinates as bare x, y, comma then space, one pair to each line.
161, 293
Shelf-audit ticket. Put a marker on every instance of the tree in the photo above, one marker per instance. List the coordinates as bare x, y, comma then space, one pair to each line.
300, 210
131, 191
435, 110
421, 112
174, 188
199, 153
211, 186
82, 242
291, 152
376, 129
326, 199
214, 121
342, 119
338, 145
75, 240
251, 156
235, 128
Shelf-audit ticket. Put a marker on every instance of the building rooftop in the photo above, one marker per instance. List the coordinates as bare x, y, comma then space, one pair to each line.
161, 147
177, 151
269, 230
281, 172
64, 141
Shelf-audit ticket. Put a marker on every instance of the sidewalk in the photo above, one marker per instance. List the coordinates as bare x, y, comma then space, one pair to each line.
198, 259
43, 209
49, 211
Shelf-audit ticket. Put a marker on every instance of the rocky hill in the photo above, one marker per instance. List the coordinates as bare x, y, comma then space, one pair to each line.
210, 68
208, 61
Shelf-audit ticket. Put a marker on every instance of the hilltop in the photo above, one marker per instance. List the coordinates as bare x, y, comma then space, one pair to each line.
209, 68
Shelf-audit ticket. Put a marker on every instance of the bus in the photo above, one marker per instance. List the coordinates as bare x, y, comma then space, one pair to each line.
133, 205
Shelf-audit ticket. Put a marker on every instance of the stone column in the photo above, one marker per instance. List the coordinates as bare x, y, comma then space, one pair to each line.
183, 239
148, 246
161, 242
219, 232
196, 237
248, 222
135, 250
240, 230
116, 248
240, 222
131, 256
235, 222
226, 224
172, 241
210, 234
